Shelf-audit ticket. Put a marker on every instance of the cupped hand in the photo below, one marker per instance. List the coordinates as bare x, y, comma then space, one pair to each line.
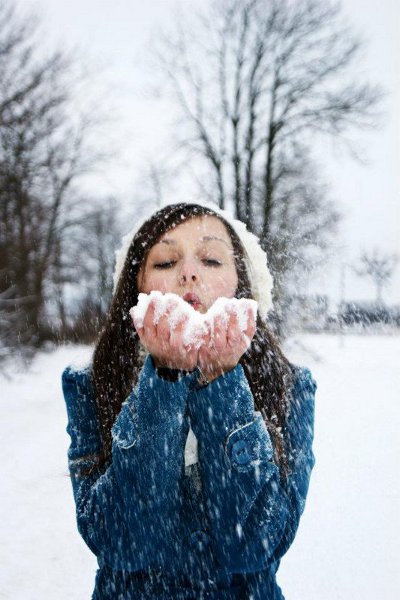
225, 343
166, 342
216, 348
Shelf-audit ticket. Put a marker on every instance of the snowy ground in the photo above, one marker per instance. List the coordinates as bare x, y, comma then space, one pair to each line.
348, 539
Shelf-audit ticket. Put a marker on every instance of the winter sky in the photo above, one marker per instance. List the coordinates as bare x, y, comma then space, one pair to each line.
116, 34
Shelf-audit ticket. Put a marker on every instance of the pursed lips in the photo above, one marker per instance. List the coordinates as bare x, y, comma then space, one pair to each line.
192, 299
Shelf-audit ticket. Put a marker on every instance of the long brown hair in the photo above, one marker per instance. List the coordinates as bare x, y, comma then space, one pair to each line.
116, 364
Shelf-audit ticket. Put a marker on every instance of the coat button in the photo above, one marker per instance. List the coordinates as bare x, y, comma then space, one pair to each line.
241, 452
199, 539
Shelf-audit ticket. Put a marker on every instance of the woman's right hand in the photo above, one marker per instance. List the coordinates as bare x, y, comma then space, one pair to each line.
166, 343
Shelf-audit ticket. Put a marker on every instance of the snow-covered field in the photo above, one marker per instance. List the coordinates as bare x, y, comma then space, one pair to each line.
349, 537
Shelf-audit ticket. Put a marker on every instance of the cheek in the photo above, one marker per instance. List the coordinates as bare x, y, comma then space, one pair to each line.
223, 284
156, 281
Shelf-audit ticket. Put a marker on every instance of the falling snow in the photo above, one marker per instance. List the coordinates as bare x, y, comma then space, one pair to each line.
348, 539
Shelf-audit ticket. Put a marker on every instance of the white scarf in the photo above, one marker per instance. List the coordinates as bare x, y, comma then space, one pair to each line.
191, 456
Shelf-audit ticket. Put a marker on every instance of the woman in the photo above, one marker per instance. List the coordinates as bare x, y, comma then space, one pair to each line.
190, 463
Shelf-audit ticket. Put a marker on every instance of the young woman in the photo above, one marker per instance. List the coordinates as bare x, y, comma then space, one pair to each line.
190, 463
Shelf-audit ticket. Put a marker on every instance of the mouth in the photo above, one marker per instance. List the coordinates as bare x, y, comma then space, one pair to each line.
193, 300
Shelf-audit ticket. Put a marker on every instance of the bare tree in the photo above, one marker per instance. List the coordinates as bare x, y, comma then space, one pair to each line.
79, 288
257, 82
44, 149
379, 267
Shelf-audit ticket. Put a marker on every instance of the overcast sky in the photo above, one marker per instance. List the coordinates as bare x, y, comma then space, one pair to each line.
116, 34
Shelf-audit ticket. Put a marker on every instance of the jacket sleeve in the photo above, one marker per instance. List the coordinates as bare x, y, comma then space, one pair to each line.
126, 511
253, 515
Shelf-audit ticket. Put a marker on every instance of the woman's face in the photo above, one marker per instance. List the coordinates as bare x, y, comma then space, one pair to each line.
194, 260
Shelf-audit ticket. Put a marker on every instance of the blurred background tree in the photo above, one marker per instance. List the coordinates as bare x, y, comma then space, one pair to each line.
258, 83
379, 267
46, 222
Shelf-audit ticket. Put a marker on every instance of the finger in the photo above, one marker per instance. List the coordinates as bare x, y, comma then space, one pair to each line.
176, 335
184, 355
164, 329
203, 358
137, 320
248, 334
219, 339
150, 329
251, 325
206, 340
138, 328
207, 358
234, 334
192, 359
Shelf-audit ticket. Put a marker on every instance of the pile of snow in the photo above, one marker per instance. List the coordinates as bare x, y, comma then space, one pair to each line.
197, 325
348, 538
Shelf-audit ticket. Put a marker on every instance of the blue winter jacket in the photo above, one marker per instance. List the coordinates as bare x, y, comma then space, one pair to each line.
214, 530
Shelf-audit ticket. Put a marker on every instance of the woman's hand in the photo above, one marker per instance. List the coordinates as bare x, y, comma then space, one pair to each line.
166, 343
225, 344
216, 348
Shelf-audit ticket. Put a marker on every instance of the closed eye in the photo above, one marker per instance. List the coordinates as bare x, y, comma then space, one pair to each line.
168, 264
212, 262
165, 265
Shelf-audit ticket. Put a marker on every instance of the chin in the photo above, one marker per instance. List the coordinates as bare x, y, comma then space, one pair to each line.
201, 309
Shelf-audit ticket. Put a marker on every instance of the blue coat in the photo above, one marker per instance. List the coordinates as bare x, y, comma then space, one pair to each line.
214, 530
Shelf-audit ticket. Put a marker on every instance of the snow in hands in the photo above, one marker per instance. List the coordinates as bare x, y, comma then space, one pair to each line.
198, 326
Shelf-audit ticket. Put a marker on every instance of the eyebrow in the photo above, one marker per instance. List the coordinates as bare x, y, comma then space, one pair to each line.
205, 238
208, 238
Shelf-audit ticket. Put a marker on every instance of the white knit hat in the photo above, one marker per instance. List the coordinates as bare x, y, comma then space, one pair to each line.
256, 260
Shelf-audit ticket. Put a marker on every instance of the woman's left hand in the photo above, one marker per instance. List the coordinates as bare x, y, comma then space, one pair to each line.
223, 347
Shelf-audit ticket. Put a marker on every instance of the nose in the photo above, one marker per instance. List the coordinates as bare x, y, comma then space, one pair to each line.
188, 273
